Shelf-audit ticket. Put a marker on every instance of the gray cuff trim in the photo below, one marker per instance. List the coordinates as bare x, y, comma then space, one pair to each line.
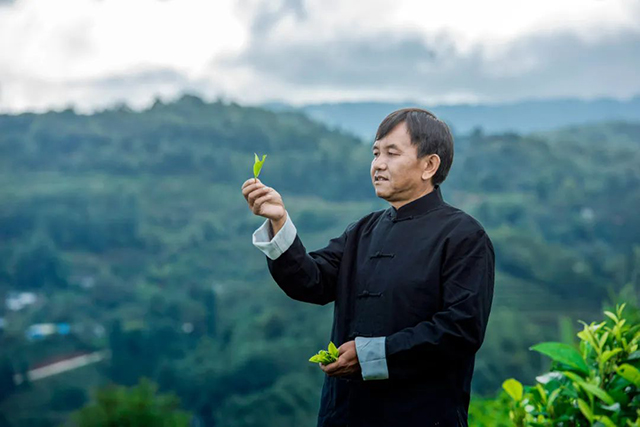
372, 358
274, 246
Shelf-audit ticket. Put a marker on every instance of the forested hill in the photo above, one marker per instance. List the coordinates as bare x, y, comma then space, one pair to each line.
131, 228
188, 137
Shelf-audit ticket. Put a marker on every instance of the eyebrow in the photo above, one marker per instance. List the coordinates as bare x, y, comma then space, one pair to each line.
388, 146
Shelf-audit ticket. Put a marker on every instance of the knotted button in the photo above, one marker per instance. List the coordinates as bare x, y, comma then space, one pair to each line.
366, 293
379, 254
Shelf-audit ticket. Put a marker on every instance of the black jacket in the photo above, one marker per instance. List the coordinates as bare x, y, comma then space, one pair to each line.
422, 276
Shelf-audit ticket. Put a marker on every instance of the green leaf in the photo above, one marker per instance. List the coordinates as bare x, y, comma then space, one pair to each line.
563, 353
606, 421
612, 316
585, 409
325, 357
257, 165
603, 339
514, 388
572, 376
597, 391
333, 350
542, 392
614, 408
552, 397
629, 373
609, 354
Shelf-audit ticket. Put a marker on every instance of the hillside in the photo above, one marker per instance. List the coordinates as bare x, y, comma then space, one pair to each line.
131, 228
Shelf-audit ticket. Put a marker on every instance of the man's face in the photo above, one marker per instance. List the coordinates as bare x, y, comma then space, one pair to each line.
396, 159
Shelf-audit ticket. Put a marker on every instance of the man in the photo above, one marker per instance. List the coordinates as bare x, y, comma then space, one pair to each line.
412, 285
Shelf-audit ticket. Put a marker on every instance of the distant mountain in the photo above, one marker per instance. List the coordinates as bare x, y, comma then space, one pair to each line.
362, 118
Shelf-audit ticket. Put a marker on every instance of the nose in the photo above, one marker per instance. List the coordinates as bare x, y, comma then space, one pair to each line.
376, 165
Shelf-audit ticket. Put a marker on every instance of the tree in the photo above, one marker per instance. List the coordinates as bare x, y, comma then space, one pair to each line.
137, 406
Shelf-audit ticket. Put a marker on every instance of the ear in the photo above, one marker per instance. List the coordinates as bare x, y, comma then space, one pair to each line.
431, 163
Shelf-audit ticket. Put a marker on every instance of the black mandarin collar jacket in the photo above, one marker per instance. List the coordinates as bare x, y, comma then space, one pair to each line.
423, 277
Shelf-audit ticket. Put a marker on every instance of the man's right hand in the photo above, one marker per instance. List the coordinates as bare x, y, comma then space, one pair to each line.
265, 201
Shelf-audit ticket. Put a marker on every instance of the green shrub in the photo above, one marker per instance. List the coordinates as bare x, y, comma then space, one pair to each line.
137, 406
597, 384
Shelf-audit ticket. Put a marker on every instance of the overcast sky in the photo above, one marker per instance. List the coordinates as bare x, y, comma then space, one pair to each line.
92, 54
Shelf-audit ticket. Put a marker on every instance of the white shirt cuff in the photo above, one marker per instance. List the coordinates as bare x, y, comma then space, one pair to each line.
372, 358
274, 246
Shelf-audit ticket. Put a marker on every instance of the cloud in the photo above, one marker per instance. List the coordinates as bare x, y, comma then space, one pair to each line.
269, 14
357, 61
135, 88
92, 53
408, 64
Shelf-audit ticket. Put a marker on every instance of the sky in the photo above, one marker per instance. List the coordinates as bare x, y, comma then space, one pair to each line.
95, 54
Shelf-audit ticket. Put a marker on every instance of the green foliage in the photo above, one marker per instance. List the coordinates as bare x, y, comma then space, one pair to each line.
489, 412
596, 384
137, 406
326, 357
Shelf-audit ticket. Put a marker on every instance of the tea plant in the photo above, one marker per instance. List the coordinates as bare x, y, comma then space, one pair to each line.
597, 384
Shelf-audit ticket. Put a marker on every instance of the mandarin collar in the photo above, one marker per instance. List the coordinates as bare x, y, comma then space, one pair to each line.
417, 207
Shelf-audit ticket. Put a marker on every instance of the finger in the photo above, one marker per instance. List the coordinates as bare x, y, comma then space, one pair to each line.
250, 181
257, 193
258, 203
333, 367
246, 186
344, 346
250, 188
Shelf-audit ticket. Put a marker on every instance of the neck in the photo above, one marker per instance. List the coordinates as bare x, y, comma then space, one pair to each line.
400, 203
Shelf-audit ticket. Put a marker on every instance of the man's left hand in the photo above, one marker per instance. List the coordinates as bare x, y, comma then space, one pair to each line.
347, 362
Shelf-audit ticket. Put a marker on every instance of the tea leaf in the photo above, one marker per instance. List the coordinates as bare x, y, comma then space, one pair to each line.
609, 354
597, 391
257, 165
629, 373
325, 357
572, 376
612, 316
585, 409
542, 392
563, 353
605, 420
333, 350
513, 388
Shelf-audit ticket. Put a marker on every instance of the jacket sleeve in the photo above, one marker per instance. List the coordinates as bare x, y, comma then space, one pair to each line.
309, 277
457, 331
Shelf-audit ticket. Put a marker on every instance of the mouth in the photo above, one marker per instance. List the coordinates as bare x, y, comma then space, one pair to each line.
380, 179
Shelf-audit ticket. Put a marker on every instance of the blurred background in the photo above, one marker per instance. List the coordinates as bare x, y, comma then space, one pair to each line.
127, 130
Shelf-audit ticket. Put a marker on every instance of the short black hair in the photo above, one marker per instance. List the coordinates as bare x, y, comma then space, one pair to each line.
430, 134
